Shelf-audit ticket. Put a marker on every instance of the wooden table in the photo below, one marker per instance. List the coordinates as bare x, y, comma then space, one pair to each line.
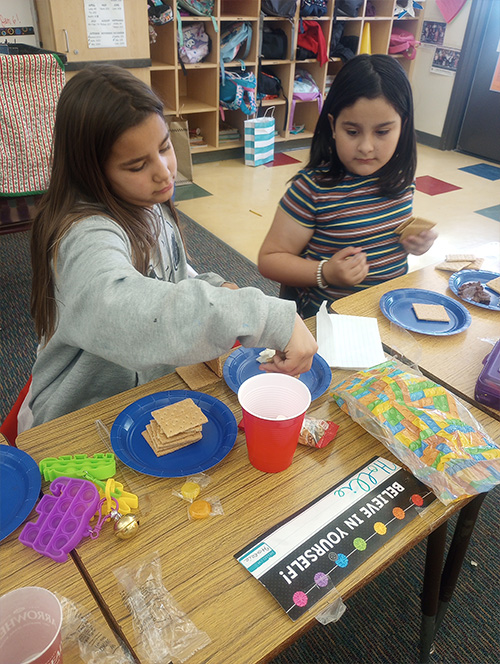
21, 566
244, 622
454, 361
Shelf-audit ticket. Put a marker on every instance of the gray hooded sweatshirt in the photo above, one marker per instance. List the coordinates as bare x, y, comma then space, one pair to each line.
117, 328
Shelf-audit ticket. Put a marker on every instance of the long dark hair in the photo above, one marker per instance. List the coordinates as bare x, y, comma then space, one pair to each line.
369, 76
95, 107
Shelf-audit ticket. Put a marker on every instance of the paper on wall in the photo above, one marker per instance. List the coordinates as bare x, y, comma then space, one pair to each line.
105, 23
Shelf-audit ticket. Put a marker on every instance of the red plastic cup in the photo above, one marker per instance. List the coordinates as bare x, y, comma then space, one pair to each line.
30, 627
273, 408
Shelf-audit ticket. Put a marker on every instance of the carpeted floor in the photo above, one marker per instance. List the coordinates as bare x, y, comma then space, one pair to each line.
381, 624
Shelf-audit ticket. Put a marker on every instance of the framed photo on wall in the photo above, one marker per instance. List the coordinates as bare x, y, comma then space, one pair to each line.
445, 61
433, 32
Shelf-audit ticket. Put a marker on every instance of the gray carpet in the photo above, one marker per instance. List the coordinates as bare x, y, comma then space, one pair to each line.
381, 624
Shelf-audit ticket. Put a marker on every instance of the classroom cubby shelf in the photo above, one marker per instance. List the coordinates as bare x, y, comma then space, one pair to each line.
192, 91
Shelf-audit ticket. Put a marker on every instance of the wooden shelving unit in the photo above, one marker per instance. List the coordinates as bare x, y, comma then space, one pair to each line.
192, 91
194, 94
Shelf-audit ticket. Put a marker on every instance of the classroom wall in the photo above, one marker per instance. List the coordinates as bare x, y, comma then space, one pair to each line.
15, 16
432, 91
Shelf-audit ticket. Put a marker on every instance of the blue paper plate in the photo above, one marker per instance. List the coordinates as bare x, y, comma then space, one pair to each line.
242, 364
129, 445
464, 276
20, 483
396, 305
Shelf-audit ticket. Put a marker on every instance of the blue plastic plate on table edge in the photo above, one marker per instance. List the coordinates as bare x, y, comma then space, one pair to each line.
20, 484
396, 305
242, 364
129, 445
483, 276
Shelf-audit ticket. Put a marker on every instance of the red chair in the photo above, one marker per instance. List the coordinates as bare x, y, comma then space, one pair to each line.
9, 426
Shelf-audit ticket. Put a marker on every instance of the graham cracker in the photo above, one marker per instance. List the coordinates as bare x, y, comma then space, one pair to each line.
402, 226
435, 312
452, 266
161, 450
179, 416
460, 257
494, 284
476, 264
197, 376
413, 227
161, 440
217, 365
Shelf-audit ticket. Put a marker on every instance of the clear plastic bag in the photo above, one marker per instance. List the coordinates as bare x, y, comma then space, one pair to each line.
430, 431
162, 630
335, 609
94, 646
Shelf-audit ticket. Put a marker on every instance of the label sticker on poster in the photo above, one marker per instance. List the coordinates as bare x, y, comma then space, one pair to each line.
303, 558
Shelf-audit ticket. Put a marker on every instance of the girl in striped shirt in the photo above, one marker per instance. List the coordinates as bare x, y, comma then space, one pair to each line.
334, 231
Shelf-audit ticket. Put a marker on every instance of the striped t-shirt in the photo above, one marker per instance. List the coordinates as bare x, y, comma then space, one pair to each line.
350, 213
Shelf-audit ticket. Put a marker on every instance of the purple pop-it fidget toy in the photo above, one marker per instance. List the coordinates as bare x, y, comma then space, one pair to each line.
64, 518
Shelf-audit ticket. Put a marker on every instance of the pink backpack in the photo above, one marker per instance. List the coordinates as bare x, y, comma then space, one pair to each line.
305, 88
403, 42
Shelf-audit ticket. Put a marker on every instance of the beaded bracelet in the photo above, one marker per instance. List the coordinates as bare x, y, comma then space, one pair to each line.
319, 274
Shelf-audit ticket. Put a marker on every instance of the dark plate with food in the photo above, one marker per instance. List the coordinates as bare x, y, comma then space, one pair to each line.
472, 286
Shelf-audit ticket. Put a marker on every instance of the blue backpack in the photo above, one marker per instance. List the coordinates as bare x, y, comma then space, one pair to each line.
198, 7
237, 92
232, 39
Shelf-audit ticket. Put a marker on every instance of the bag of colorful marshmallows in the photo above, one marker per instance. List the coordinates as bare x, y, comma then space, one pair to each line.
425, 427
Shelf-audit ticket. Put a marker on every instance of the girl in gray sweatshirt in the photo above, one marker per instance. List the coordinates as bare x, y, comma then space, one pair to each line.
114, 300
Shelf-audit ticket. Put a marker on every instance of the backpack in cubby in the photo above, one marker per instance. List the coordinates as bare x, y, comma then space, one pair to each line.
274, 44
233, 38
404, 43
311, 42
268, 87
237, 92
305, 88
196, 44
198, 7
284, 8
313, 8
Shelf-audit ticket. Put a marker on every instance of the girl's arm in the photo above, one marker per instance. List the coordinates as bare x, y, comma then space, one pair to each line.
279, 258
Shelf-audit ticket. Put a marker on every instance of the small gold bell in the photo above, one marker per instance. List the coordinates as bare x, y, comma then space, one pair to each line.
126, 526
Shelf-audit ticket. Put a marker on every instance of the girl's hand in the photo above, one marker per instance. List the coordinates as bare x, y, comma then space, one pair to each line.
230, 285
419, 244
298, 355
347, 267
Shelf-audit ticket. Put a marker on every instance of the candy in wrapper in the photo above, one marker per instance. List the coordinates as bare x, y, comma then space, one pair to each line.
192, 487
317, 433
201, 509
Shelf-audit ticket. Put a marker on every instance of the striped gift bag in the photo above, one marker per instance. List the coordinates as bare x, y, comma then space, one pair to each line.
29, 89
259, 140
